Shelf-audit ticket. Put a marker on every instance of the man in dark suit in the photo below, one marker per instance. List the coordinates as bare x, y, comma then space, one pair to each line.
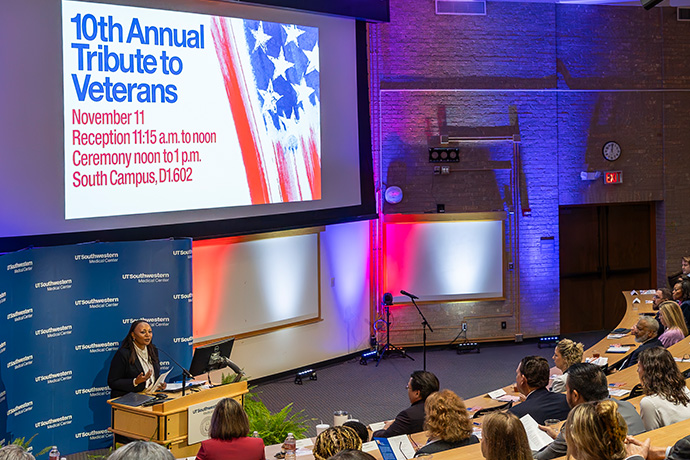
587, 382
411, 420
532, 376
645, 332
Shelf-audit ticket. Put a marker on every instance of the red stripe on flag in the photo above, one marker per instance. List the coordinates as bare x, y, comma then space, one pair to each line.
231, 70
313, 163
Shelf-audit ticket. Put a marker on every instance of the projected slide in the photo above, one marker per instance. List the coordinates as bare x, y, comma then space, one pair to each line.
172, 111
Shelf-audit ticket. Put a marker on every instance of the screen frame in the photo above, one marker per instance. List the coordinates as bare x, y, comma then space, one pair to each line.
366, 210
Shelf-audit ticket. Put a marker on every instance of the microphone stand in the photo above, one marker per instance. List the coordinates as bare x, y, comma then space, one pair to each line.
185, 372
425, 324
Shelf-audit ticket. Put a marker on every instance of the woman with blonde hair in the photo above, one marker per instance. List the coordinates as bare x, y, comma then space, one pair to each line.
504, 438
668, 399
447, 423
228, 431
596, 431
565, 355
671, 317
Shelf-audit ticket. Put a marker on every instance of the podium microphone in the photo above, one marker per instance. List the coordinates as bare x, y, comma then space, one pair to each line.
411, 296
184, 371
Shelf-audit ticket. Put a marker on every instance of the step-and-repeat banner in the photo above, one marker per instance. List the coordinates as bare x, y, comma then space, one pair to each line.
63, 313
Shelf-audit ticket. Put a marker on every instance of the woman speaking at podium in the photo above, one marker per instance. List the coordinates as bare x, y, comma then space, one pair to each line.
135, 366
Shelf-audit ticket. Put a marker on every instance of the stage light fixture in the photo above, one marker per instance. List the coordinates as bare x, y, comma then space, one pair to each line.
367, 355
444, 155
307, 373
467, 347
548, 341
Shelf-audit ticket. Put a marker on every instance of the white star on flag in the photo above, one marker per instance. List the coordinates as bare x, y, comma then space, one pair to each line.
260, 38
281, 65
293, 34
313, 57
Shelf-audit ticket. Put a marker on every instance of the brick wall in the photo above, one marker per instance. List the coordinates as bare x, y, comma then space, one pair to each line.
566, 79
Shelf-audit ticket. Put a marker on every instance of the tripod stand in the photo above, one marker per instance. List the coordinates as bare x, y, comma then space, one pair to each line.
390, 349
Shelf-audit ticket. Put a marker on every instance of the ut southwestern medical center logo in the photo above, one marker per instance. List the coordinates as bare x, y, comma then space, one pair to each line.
93, 391
21, 267
3, 297
20, 315
56, 331
54, 377
158, 321
105, 302
147, 277
55, 285
93, 258
97, 347
54, 422
183, 253
21, 362
21, 409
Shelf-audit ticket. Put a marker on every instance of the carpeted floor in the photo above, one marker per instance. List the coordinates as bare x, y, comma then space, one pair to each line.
372, 394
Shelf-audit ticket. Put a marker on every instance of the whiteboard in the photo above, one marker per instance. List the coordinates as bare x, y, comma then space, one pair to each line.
240, 287
444, 260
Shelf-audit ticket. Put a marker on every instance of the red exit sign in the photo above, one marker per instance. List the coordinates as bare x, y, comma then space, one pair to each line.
613, 177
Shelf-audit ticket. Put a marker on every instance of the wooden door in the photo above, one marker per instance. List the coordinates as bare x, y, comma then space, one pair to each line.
603, 251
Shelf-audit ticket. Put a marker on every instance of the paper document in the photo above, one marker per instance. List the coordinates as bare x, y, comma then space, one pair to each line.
615, 336
177, 386
369, 446
397, 447
304, 443
600, 361
537, 439
377, 426
681, 360
161, 378
496, 393
618, 392
618, 349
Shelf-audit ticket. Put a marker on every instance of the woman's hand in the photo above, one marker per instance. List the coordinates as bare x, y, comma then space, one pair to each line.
141, 378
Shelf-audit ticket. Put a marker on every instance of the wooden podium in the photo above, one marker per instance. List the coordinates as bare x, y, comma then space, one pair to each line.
166, 423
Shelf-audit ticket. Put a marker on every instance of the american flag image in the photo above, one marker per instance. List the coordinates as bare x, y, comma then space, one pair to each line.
271, 76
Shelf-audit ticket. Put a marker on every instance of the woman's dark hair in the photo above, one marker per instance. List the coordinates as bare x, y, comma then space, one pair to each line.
684, 288
360, 428
128, 343
660, 376
335, 439
229, 420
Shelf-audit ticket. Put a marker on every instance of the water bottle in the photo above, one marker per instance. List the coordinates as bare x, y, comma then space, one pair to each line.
255, 434
290, 446
54, 454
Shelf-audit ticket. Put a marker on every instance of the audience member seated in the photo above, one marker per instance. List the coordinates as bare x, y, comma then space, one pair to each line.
447, 423
679, 451
644, 331
504, 438
228, 431
360, 428
532, 377
681, 294
142, 450
565, 355
335, 439
672, 319
668, 399
411, 420
662, 294
14, 452
596, 431
586, 383
351, 454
